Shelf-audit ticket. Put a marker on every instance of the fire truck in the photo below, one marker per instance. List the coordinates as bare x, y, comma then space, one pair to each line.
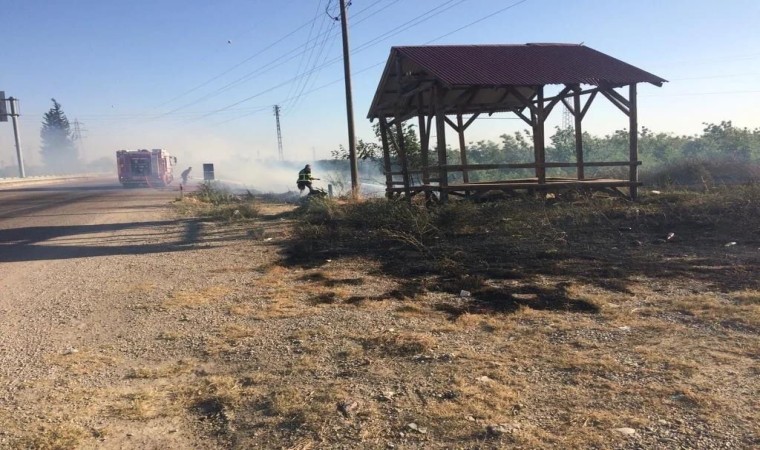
152, 168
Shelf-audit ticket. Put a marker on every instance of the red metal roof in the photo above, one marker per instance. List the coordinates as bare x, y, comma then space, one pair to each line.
524, 65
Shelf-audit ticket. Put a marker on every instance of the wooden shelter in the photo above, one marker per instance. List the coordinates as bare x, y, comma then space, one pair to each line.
455, 84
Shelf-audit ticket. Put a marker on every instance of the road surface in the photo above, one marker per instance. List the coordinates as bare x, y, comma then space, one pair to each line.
78, 219
69, 254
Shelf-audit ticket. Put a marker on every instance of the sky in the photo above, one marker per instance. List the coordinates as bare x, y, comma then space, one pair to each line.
200, 78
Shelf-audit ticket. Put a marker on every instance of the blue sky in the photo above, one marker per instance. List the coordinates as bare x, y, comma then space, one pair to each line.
166, 73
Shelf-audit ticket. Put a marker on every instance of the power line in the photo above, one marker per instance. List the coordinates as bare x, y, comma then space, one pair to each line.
210, 80
424, 17
370, 43
283, 58
488, 16
409, 24
306, 60
308, 80
317, 15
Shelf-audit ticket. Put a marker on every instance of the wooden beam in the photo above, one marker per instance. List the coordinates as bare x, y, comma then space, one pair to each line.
440, 132
569, 107
538, 137
578, 134
424, 140
451, 123
525, 101
471, 97
520, 114
472, 167
386, 155
624, 101
462, 148
503, 97
468, 93
403, 156
588, 103
615, 102
555, 100
421, 87
633, 141
470, 120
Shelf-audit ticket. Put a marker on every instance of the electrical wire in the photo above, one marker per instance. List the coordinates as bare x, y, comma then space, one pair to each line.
375, 41
488, 16
409, 24
318, 61
280, 60
212, 79
301, 66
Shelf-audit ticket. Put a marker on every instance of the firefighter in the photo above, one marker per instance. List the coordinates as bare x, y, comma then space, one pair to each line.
304, 179
185, 174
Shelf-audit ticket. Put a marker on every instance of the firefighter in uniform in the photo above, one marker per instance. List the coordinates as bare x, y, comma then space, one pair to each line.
304, 179
185, 174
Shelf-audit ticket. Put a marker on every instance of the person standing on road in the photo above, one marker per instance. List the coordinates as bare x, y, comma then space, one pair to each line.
304, 179
185, 174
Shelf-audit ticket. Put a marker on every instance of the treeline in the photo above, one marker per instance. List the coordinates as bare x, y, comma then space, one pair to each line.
722, 152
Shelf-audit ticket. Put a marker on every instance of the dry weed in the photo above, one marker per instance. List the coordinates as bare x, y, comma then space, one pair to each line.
196, 299
402, 344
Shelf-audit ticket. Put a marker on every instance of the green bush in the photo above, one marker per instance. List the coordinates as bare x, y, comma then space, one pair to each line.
217, 202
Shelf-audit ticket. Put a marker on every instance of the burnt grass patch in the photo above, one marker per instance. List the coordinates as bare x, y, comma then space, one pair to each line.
487, 248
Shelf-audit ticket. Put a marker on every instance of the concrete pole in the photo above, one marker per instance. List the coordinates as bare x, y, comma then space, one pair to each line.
19, 155
349, 101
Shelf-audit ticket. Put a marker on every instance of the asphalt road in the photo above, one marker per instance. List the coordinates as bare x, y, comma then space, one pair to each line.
80, 218
71, 256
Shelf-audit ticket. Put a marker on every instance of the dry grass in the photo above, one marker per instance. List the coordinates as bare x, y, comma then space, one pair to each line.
144, 405
162, 371
571, 330
193, 299
401, 344
54, 438
83, 362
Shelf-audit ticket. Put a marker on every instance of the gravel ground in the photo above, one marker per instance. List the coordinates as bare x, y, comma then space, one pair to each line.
125, 326
73, 260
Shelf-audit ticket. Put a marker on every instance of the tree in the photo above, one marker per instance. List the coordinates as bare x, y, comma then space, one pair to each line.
58, 150
367, 150
364, 150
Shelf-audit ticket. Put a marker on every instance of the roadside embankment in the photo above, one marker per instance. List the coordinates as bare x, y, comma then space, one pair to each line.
5, 182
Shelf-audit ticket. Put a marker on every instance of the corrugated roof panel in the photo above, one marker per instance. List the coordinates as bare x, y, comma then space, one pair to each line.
493, 68
530, 64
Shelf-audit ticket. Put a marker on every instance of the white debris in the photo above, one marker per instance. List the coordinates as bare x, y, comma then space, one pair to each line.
625, 431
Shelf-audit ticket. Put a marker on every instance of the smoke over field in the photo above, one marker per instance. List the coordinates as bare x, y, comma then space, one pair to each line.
281, 176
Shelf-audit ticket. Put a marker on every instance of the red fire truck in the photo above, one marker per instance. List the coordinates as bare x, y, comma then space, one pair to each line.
152, 168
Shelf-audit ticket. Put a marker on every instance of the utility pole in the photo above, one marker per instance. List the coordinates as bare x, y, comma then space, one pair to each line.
14, 118
279, 133
567, 119
349, 101
77, 135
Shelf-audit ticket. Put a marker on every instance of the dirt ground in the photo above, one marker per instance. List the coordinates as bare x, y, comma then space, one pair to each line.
217, 338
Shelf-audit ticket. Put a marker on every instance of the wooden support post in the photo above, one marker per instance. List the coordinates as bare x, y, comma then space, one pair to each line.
386, 157
538, 136
440, 131
633, 141
578, 133
462, 148
400, 142
424, 141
